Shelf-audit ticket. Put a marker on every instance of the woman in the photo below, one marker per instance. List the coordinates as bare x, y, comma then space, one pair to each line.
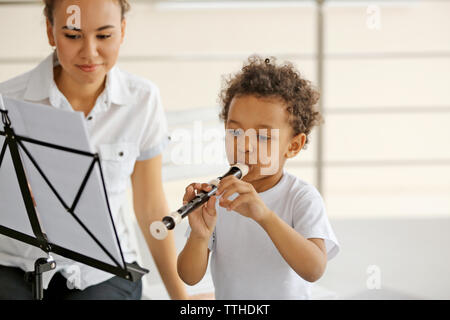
127, 127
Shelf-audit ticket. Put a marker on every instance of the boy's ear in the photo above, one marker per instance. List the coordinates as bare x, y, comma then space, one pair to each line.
295, 145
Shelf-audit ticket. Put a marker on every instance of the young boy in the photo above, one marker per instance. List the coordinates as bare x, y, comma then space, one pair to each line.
269, 234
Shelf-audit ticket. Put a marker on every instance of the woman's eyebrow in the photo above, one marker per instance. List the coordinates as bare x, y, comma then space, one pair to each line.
71, 28
99, 29
105, 27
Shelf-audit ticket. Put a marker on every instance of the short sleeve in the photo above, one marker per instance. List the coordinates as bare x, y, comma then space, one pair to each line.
211, 242
155, 135
311, 221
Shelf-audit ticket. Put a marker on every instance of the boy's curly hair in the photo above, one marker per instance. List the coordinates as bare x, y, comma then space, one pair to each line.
264, 78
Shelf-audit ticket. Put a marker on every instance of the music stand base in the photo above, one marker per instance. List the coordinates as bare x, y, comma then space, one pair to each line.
41, 265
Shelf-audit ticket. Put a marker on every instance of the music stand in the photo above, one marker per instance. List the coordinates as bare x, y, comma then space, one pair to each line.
58, 181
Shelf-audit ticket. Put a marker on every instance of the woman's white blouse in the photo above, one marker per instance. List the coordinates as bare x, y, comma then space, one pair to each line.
127, 124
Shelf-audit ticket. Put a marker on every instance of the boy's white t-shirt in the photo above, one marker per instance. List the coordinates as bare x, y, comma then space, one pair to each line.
245, 264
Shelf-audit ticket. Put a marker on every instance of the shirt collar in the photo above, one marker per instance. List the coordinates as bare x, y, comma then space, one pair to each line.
41, 84
117, 90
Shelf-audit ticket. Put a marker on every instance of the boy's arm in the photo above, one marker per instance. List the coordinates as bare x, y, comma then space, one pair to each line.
193, 260
307, 257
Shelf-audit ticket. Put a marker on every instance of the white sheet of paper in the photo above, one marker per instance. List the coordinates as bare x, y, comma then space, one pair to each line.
66, 172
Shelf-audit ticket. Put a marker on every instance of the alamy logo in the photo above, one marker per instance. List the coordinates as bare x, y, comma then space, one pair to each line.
74, 20
74, 279
373, 20
374, 279
214, 146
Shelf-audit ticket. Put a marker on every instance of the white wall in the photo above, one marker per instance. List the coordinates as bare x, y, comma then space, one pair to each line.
186, 51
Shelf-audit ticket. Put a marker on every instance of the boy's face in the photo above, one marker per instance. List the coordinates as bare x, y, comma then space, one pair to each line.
258, 134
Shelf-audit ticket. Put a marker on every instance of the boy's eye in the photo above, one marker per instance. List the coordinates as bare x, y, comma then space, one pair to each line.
104, 36
263, 138
72, 36
235, 132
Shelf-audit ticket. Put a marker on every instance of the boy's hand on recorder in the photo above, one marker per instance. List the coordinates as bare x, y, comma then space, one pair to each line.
248, 203
203, 219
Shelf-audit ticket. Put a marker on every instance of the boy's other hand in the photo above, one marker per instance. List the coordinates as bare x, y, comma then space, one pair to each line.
248, 203
203, 220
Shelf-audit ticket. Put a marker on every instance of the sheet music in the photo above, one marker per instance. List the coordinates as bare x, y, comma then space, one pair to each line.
11, 198
65, 171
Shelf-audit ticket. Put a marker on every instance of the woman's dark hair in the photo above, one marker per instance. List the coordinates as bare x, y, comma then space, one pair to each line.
50, 6
264, 78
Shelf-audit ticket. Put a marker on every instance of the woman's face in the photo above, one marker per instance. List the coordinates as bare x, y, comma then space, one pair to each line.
88, 51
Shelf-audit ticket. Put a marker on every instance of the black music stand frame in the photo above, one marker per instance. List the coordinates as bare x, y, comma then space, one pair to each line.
13, 142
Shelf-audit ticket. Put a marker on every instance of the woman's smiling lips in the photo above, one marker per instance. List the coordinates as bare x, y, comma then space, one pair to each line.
89, 67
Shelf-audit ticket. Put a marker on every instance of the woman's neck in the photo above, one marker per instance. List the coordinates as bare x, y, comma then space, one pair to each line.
82, 97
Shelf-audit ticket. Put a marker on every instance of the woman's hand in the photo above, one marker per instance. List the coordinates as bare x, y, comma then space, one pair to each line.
203, 219
248, 203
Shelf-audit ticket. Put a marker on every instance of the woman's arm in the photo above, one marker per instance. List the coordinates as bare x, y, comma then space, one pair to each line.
149, 205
